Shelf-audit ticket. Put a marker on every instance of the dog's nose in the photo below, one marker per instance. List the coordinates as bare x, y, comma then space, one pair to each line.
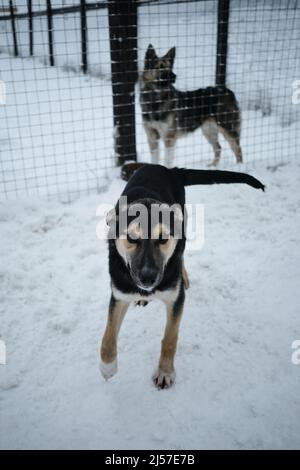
148, 276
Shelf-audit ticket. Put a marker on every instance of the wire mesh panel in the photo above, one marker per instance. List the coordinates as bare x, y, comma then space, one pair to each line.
66, 119
56, 126
263, 63
263, 67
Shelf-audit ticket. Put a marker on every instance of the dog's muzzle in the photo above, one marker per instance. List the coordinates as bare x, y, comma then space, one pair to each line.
147, 279
167, 78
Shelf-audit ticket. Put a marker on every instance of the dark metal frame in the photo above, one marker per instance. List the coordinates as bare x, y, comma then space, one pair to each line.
13, 26
222, 41
30, 26
50, 32
84, 39
123, 50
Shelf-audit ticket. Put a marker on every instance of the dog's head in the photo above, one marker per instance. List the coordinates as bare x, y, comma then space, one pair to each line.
146, 239
159, 70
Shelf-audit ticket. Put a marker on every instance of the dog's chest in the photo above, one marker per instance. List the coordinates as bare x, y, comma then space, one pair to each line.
162, 127
156, 105
165, 296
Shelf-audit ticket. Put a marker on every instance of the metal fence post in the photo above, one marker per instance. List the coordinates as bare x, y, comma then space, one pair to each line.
84, 49
50, 32
222, 42
13, 25
30, 26
124, 69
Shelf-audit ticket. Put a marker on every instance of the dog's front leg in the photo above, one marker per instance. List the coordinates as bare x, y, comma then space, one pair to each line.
165, 376
153, 141
170, 142
116, 314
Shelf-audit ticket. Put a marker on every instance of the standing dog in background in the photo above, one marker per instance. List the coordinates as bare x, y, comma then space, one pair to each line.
169, 113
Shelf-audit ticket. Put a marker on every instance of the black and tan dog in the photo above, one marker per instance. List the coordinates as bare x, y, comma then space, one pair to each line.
169, 113
146, 261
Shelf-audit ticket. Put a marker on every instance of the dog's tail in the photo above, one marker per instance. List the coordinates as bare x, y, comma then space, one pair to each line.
193, 177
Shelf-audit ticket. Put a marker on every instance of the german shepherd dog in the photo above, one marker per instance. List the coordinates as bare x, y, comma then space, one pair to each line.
146, 261
169, 113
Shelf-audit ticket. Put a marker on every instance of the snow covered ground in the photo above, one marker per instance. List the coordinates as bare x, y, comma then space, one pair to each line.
236, 385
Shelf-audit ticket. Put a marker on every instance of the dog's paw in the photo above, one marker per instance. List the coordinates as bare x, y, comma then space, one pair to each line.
163, 380
108, 370
213, 164
141, 303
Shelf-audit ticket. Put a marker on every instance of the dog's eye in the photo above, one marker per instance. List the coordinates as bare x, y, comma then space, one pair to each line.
132, 241
162, 241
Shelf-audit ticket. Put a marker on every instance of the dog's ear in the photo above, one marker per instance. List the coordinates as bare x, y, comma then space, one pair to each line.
170, 55
150, 57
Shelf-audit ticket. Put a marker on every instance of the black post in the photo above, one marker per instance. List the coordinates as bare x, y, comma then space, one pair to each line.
13, 25
84, 49
30, 26
222, 44
50, 32
124, 70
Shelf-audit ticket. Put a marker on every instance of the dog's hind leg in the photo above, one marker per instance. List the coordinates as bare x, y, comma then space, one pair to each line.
153, 141
233, 138
116, 314
210, 131
165, 375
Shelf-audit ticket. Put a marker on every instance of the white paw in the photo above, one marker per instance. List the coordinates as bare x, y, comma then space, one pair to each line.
108, 370
163, 379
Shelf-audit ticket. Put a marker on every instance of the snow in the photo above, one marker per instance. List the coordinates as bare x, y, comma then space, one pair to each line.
236, 385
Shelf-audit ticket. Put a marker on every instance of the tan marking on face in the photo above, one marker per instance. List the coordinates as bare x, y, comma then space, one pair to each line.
135, 230
163, 64
160, 229
150, 75
124, 247
167, 249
